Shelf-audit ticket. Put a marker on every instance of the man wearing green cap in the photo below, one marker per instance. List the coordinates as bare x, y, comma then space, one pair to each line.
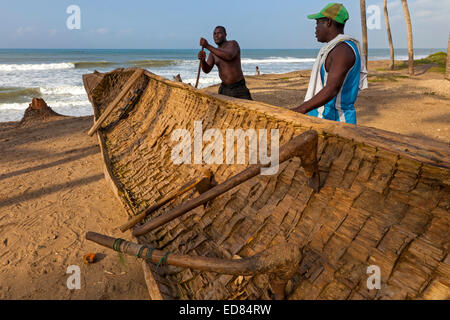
339, 72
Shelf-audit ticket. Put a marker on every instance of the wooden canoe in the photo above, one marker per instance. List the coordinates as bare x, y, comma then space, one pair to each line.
383, 201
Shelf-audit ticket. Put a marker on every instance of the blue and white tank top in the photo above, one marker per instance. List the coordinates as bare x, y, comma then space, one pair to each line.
342, 107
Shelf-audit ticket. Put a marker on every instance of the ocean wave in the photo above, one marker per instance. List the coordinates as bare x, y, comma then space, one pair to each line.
92, 64
277, 60
52, 104
64, 90
35, 67
21, 95
203, 82
18, 94
152, 63
399, 58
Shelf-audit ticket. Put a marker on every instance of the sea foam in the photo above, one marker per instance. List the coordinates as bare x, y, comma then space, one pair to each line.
278, 60
35, 67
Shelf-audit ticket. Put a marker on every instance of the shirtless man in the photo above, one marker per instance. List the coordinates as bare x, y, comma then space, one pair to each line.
227, 58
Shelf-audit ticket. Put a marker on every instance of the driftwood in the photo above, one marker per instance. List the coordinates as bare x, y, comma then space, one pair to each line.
383, 199
280, 261
203, 184
303, 146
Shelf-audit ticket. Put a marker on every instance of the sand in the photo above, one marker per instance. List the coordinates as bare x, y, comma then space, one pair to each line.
53, 191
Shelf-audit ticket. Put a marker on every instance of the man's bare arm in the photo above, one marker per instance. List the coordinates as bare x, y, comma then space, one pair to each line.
206, 65
227, 54
342, 60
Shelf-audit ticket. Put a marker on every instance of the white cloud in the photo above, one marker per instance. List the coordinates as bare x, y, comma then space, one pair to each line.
393, 5
124, 32
22, 30
423, 10
428, 18
102, 30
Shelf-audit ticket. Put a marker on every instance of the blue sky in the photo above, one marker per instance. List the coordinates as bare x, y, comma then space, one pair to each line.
179, 24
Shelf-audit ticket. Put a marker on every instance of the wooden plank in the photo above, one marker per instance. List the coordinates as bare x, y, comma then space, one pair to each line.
152, 285
136, 75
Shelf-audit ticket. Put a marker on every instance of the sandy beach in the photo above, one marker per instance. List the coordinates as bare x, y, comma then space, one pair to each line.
53, 191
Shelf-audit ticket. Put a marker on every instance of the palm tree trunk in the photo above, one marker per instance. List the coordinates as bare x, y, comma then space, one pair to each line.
388, 28
447, 73
364, 30
410, 37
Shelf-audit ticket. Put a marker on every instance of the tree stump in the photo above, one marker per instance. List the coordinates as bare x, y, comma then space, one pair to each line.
38, 110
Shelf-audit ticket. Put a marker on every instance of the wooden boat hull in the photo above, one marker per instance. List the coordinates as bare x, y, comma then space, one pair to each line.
384, 199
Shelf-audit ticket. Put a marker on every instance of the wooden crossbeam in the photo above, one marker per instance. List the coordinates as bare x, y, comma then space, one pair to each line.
136, 75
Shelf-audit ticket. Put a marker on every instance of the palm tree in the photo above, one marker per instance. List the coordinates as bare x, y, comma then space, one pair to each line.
388, 28
447, 73
410, 37
362, 4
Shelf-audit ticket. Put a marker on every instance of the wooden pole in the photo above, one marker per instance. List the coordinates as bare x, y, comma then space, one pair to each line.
199, 70
304, 146
136, 75
206, 177
281, 260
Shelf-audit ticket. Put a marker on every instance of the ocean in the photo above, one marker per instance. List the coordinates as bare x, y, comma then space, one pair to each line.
55, 75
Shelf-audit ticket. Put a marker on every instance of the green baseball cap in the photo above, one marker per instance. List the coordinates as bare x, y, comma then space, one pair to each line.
334, 11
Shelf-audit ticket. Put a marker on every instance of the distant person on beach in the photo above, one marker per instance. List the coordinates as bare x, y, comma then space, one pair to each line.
339, 72
258, 73
227, 58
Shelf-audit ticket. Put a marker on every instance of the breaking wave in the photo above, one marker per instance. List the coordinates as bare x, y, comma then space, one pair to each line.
52, 104
64, 90
278, 60
152, 63
24, 95
56, 66
18, 94
92, 64
36, 67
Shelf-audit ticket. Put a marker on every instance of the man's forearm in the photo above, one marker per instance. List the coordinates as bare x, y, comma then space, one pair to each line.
222, 54
323, 97
206, 67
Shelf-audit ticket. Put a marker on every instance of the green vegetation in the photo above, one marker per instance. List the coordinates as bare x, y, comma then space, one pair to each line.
438, 58
386, 77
